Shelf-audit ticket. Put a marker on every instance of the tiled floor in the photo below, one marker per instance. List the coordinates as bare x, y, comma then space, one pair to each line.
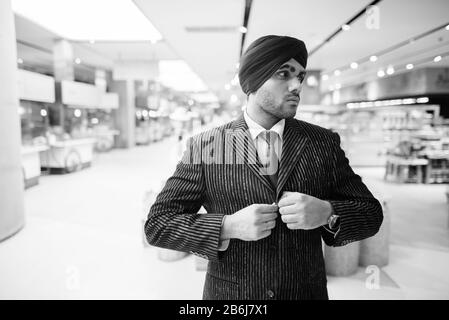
83, 240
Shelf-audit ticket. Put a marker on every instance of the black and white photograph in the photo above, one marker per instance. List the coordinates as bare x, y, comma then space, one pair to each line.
250, 150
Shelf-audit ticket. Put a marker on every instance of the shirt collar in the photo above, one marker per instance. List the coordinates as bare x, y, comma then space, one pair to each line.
255, 129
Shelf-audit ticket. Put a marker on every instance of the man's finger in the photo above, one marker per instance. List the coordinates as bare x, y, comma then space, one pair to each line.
289, 218
270, 224
287, 201
267, 208
268, 217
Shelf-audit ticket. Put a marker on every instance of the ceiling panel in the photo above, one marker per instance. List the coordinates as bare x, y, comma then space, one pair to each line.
399, 20
211, 53
310, 21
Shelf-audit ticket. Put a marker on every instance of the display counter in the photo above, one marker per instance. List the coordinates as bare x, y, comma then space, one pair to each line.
68, 156
31, 164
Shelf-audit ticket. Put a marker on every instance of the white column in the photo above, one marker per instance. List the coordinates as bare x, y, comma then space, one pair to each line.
125, 116
63, 59
12, 212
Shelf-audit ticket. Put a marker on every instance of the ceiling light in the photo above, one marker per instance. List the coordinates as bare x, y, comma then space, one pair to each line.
94, 121
92, 41
437, 59
312, 81
243, 29
237, 65
380, 73
234, 98
373, 58
178, 75
346, 27
63, 18
390, 70
422, 100
77, 60
409, 66
43, 112
338, 86
337, 73
325, 77
447, 27
354, 65
227, 86
19, 61
77, 113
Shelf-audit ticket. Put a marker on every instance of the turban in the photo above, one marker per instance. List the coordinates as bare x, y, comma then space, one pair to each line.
264, 56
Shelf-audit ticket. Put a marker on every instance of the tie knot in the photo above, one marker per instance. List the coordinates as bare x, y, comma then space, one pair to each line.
269, 136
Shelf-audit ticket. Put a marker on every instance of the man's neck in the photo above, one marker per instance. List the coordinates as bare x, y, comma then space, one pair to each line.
262, 118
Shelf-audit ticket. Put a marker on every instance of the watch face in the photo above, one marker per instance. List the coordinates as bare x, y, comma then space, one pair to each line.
334, 220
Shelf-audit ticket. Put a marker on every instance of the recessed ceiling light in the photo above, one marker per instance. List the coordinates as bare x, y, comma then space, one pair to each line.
337, 86
19, 61
380, 73
227, 86
437, 59
390, 70
337, 73
346, 27
243, 29
447, 27
373, 58
92, 41
409, 66
77, 60
325, 77
354, 65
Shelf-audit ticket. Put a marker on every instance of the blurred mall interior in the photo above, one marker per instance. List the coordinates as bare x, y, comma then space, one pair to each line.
98, 98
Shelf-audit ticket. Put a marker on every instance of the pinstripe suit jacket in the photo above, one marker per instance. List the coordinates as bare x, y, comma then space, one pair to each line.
220, 171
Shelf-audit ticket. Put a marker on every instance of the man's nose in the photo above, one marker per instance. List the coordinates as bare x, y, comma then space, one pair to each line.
294, 85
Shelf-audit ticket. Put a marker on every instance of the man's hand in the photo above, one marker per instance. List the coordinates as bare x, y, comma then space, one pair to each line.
252, 223
301, 211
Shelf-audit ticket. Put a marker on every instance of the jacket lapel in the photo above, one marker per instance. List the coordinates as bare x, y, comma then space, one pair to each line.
294, 142
243, 146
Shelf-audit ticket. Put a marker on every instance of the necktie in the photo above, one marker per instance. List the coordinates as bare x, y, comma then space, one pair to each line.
269, 158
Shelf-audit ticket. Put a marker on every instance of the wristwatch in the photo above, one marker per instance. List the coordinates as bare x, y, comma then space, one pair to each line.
333, 221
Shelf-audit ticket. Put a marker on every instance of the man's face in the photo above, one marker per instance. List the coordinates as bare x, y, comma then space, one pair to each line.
279, 95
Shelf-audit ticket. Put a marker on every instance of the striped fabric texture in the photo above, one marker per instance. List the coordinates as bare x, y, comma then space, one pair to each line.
220, 170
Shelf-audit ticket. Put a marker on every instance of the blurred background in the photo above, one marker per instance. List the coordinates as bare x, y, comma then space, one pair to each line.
98, 98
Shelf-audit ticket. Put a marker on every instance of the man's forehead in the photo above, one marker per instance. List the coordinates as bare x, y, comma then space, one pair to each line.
292, 64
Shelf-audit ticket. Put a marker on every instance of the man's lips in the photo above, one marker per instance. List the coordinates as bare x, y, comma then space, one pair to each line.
293, 98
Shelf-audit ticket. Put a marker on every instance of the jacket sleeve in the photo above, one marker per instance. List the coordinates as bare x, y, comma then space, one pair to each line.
173, 221
360, 213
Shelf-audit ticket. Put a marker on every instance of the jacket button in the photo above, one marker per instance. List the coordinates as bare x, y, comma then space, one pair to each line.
270, 294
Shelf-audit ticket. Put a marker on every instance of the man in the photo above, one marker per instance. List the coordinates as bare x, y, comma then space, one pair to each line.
272, 186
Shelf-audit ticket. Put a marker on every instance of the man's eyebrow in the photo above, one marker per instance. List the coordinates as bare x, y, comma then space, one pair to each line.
291, 68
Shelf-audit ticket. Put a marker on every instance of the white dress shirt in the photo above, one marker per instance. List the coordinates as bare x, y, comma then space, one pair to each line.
256, 129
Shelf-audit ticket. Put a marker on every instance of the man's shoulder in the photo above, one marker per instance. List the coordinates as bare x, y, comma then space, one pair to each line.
315, 131
216, 132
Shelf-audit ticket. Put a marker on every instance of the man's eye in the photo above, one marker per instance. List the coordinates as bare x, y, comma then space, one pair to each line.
283, 74
301, 77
